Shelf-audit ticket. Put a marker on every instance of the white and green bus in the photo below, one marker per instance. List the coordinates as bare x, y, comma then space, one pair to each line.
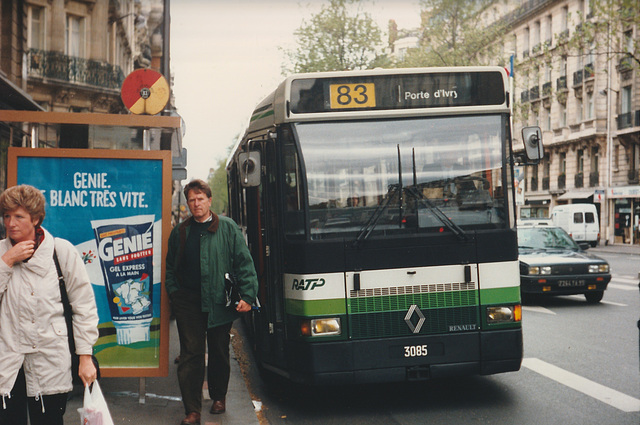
379, 209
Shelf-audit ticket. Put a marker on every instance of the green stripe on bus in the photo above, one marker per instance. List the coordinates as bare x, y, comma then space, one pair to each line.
403, 302
263, 115
433, 300
315, 307
500, 295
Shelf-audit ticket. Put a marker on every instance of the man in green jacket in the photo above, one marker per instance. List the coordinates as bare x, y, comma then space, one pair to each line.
201, 251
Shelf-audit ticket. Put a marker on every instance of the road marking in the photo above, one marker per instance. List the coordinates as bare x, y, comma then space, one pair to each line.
623, 287
625, 279
614, 303
537, 309
604, 394
580, 297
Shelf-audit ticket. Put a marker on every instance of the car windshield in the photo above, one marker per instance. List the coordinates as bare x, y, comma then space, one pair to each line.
404, 175
545, 238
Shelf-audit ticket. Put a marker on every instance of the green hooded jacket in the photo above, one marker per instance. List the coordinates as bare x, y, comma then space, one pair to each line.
222, 250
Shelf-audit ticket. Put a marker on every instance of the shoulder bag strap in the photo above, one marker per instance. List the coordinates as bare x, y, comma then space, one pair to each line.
65, 303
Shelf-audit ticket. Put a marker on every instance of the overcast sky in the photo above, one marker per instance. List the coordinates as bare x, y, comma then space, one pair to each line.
225, 58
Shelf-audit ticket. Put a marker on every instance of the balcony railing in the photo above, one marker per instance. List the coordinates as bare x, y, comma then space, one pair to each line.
579, 180
58, 66
547, 89
577, 78
594, 179
588, 71
534, 93
561, 83
625, 120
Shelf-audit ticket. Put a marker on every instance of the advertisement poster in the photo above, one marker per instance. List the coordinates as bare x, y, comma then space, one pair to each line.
109, 205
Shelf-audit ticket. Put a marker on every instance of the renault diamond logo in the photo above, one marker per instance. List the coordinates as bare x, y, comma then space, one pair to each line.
408, 319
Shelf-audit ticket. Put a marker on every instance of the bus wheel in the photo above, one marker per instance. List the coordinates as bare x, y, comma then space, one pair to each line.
594, 297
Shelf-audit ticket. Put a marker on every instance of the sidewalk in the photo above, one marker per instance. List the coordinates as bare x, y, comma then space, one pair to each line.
163, 404
616, 249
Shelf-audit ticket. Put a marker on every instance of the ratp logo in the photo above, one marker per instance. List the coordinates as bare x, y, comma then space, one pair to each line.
307, 284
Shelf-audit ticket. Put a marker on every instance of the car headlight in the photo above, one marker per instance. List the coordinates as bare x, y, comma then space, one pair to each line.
321, 327
544, 270
598, 268
504, 314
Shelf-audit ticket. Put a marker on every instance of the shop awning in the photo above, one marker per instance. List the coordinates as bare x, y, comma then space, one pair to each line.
577, 194
13, 97
538, 198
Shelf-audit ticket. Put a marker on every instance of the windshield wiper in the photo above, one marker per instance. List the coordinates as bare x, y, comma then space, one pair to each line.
368, 227
377, 213
437, 212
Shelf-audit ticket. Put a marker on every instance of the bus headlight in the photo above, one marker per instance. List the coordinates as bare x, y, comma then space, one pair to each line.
321, 327
598, 268
504, 314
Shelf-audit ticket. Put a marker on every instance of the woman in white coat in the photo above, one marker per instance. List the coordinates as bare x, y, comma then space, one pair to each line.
35, 363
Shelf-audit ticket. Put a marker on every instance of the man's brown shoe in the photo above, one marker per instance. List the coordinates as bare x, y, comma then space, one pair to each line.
218, 407
192, 418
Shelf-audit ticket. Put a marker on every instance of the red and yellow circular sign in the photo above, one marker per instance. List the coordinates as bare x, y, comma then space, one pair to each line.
145, 91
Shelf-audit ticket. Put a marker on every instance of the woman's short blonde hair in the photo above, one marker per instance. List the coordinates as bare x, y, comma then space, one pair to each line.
25, 196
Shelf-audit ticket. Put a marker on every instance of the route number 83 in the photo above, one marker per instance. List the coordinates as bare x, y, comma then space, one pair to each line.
352, 95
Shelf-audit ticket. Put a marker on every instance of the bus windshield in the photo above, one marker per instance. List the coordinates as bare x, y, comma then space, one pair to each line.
404, 175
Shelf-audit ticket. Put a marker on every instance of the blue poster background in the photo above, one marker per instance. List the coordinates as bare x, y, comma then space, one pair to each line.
81, 190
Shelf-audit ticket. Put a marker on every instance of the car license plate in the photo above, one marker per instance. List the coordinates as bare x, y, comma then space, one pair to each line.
571, 282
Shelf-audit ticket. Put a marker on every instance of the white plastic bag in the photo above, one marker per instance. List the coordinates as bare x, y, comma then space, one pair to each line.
94, 410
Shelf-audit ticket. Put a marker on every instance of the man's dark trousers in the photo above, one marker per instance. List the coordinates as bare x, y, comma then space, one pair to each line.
194, 338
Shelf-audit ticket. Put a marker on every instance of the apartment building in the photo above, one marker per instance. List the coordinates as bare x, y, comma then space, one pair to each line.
576, 78
72, 56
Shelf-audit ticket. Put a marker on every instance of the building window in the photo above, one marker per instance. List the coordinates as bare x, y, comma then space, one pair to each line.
564, 18
35, 30
547, 119
563, 163
580, 164
590, 106
75, 36
616, 157
625, 96
594, 175
549, 29
580, 109
546, 172
563, 115
628, 42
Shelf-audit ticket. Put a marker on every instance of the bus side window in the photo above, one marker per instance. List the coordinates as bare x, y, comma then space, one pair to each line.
294, 222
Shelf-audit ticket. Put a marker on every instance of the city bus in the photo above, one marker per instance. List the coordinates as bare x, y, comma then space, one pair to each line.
379, 210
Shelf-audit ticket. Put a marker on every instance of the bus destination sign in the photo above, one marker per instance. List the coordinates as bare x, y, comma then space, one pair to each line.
400, 91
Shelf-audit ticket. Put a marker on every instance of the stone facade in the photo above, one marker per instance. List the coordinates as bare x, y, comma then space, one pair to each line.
585, 99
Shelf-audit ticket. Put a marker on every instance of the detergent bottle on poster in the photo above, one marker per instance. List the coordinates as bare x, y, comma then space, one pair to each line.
125, 250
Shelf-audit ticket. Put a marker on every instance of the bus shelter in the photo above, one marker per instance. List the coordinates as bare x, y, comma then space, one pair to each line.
107, 180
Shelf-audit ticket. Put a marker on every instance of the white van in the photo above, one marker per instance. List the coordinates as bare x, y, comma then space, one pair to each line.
579, 220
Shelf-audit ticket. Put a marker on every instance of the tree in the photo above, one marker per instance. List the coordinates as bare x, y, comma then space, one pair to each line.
220, 193
608, 30
456, 33
340, 37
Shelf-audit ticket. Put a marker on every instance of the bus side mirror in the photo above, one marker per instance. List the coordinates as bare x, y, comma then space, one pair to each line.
532, 137
249, 166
